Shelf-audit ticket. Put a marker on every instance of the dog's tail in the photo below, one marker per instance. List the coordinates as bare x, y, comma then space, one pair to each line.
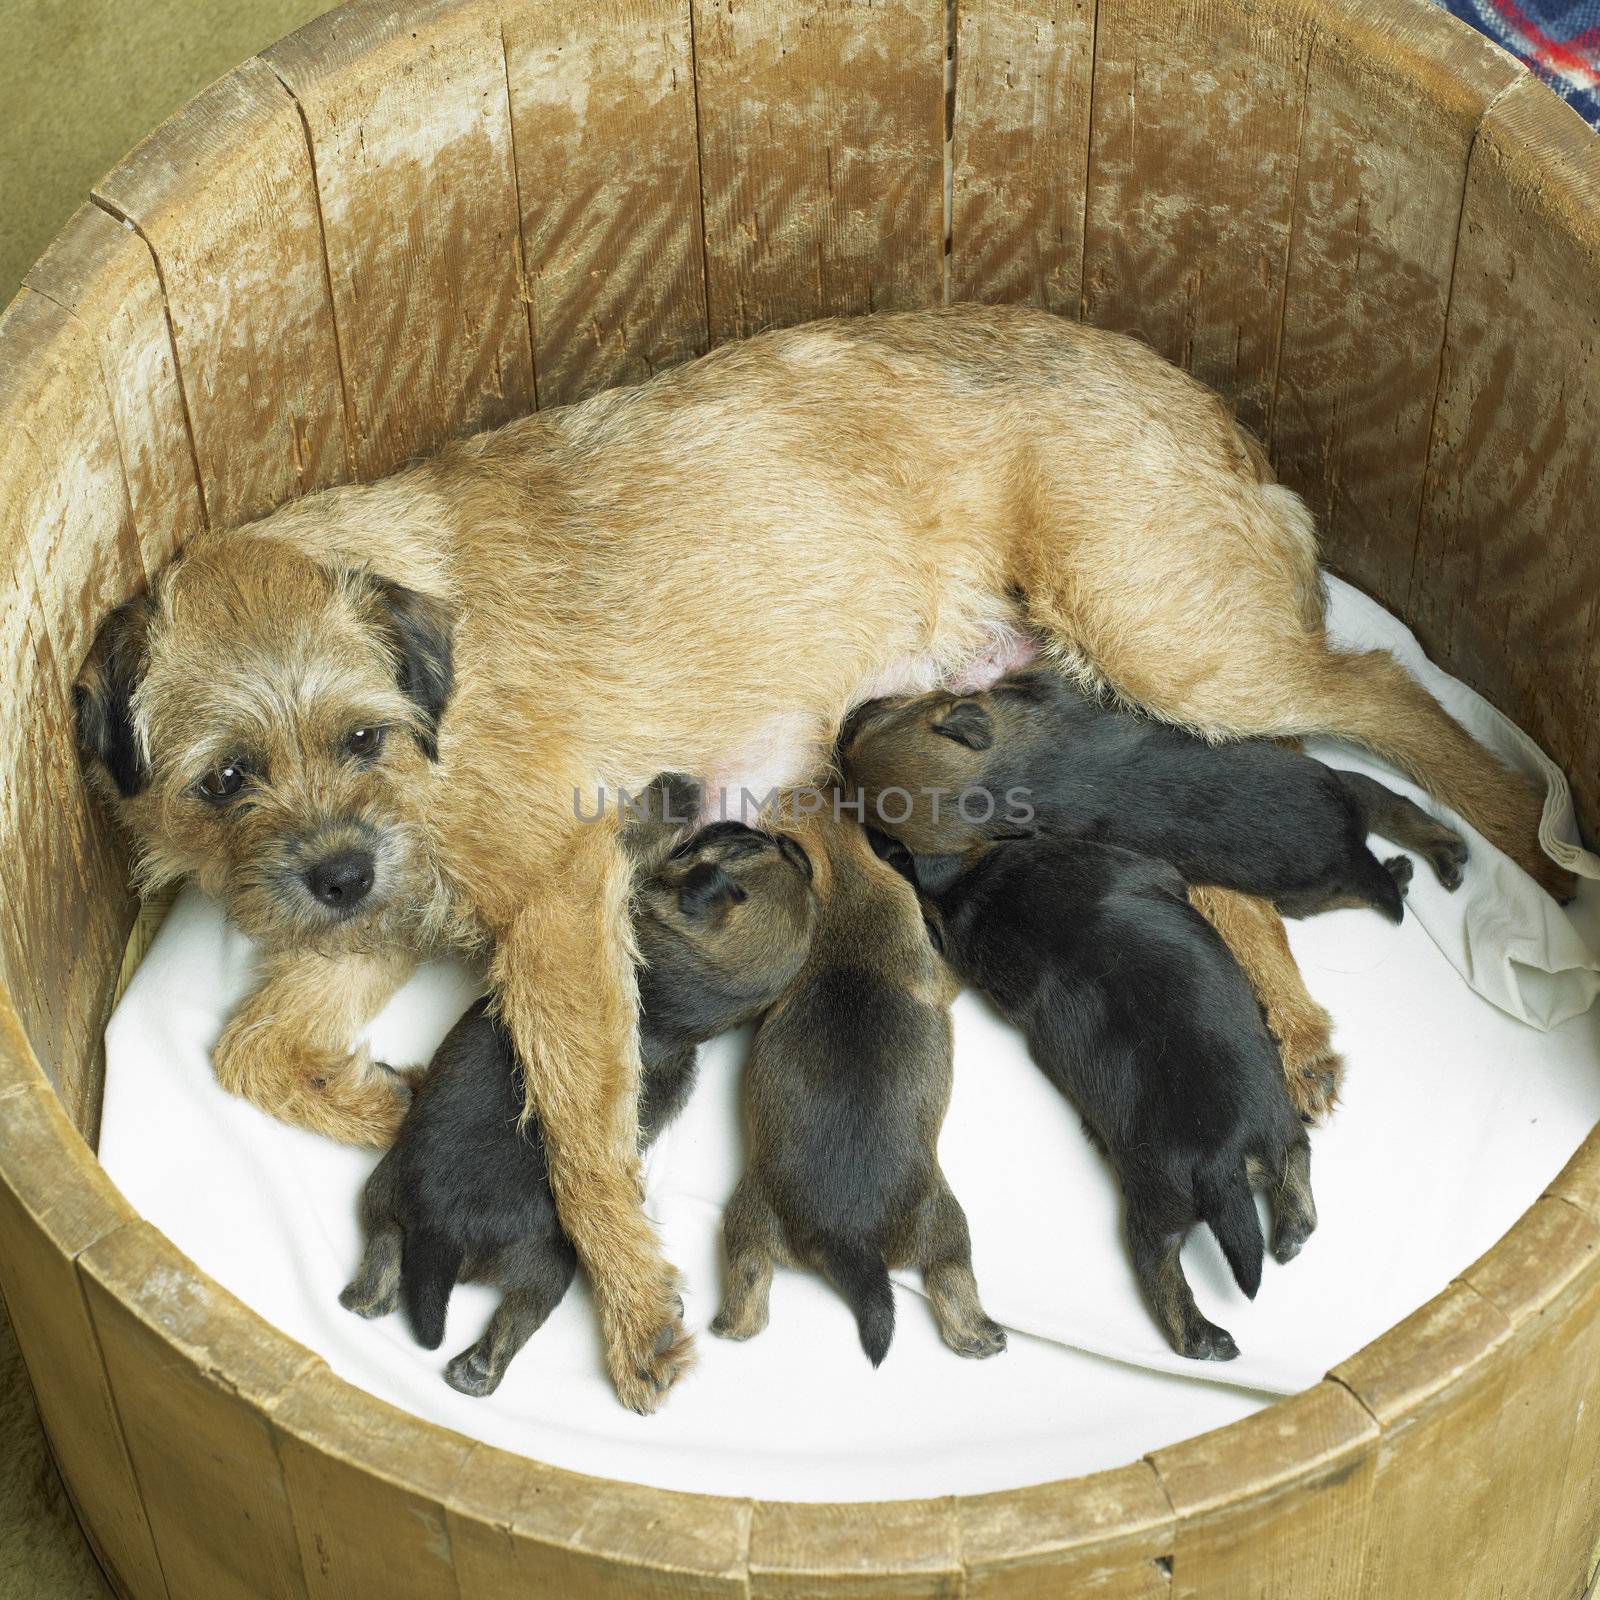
1228, 1208
858, 1273
429, 1265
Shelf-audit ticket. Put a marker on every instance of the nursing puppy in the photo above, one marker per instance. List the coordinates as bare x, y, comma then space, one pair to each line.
377, 722
845, 1091
722, 927
1250, 816
1136, 1011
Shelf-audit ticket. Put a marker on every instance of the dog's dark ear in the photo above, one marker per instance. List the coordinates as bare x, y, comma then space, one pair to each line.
967, 723
705, 886
102, 698
419, 631
935, 874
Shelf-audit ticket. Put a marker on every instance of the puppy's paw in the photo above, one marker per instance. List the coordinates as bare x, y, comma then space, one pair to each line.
742, 1324
1447, 855
1400, 868
1207, 1342
370, 1302
986, 1338
473, 1372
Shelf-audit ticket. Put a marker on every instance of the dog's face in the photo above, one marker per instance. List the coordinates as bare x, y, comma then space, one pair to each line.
732, 906
932, 768
266, 725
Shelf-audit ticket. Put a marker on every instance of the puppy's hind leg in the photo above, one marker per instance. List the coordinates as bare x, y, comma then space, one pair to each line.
524, 1310
1401, 821
1294, 1208
753, 1239
1154, 1243
945, 1255
375, 1289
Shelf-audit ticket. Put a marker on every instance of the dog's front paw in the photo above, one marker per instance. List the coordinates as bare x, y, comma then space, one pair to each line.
1313, 1070
368, 1300
987, 1338
649, 1351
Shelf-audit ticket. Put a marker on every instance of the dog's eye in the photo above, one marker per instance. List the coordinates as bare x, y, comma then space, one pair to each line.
364, 742
222, 783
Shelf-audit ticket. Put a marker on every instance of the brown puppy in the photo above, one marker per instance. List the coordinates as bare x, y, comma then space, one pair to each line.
724, 559
845, 1092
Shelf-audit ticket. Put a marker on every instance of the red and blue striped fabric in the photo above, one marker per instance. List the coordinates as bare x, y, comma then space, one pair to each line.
1559, 40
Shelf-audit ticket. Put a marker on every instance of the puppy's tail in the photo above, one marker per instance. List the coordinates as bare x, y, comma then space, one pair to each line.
429, 1265
1228, 1208
858, 1273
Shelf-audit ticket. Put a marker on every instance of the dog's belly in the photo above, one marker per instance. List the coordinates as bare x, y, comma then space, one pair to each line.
793, 748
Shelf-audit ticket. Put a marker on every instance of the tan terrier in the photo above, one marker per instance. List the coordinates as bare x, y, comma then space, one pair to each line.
378, 722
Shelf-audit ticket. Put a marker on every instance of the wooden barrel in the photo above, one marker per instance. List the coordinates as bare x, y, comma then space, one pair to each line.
1366, 226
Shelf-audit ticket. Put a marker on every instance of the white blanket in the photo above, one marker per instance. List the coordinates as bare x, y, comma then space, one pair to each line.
1456, 1115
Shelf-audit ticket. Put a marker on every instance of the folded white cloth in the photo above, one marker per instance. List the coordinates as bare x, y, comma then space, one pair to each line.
1455, 1117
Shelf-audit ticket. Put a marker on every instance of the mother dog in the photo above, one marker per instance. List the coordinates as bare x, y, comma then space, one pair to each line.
373, 722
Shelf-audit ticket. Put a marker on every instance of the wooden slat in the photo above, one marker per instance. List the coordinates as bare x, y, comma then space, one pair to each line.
1109, 1535
223, 193
1436, 1386
1579, 1181
1506, 589
608, 169
891, 1547
411, 132
822, 159
1020, 150
195, 1376
68, 550
518, 1528
1544, 1277
1393, 101
1277, 1503
102, 272
1195, 134
368, 1485
55, 1202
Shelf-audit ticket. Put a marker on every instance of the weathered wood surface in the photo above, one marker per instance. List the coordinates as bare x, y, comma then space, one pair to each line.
1381, 170
1506, 587
821, 159
195, 1377
54, 1203
410, 130
224, 194
103, 273
1198, 111
1020, 148
458, 202
608, 178
68, 548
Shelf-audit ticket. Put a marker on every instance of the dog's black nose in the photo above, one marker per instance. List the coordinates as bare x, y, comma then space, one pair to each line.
341, 880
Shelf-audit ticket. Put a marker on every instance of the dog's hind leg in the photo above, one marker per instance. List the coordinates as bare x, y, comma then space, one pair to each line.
375, 1289
1252, 929
753, 1239
521, 1313
1154, 1245
944, 1252
1401, 821
1202, 619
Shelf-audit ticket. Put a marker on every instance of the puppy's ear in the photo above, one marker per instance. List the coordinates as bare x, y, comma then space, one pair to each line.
418, 631
967, 723
705, 888
935, 874
102, 697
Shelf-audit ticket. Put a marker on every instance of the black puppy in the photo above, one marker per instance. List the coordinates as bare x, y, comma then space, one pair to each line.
844, 1095
1136, 1010
941, 771
723, 925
